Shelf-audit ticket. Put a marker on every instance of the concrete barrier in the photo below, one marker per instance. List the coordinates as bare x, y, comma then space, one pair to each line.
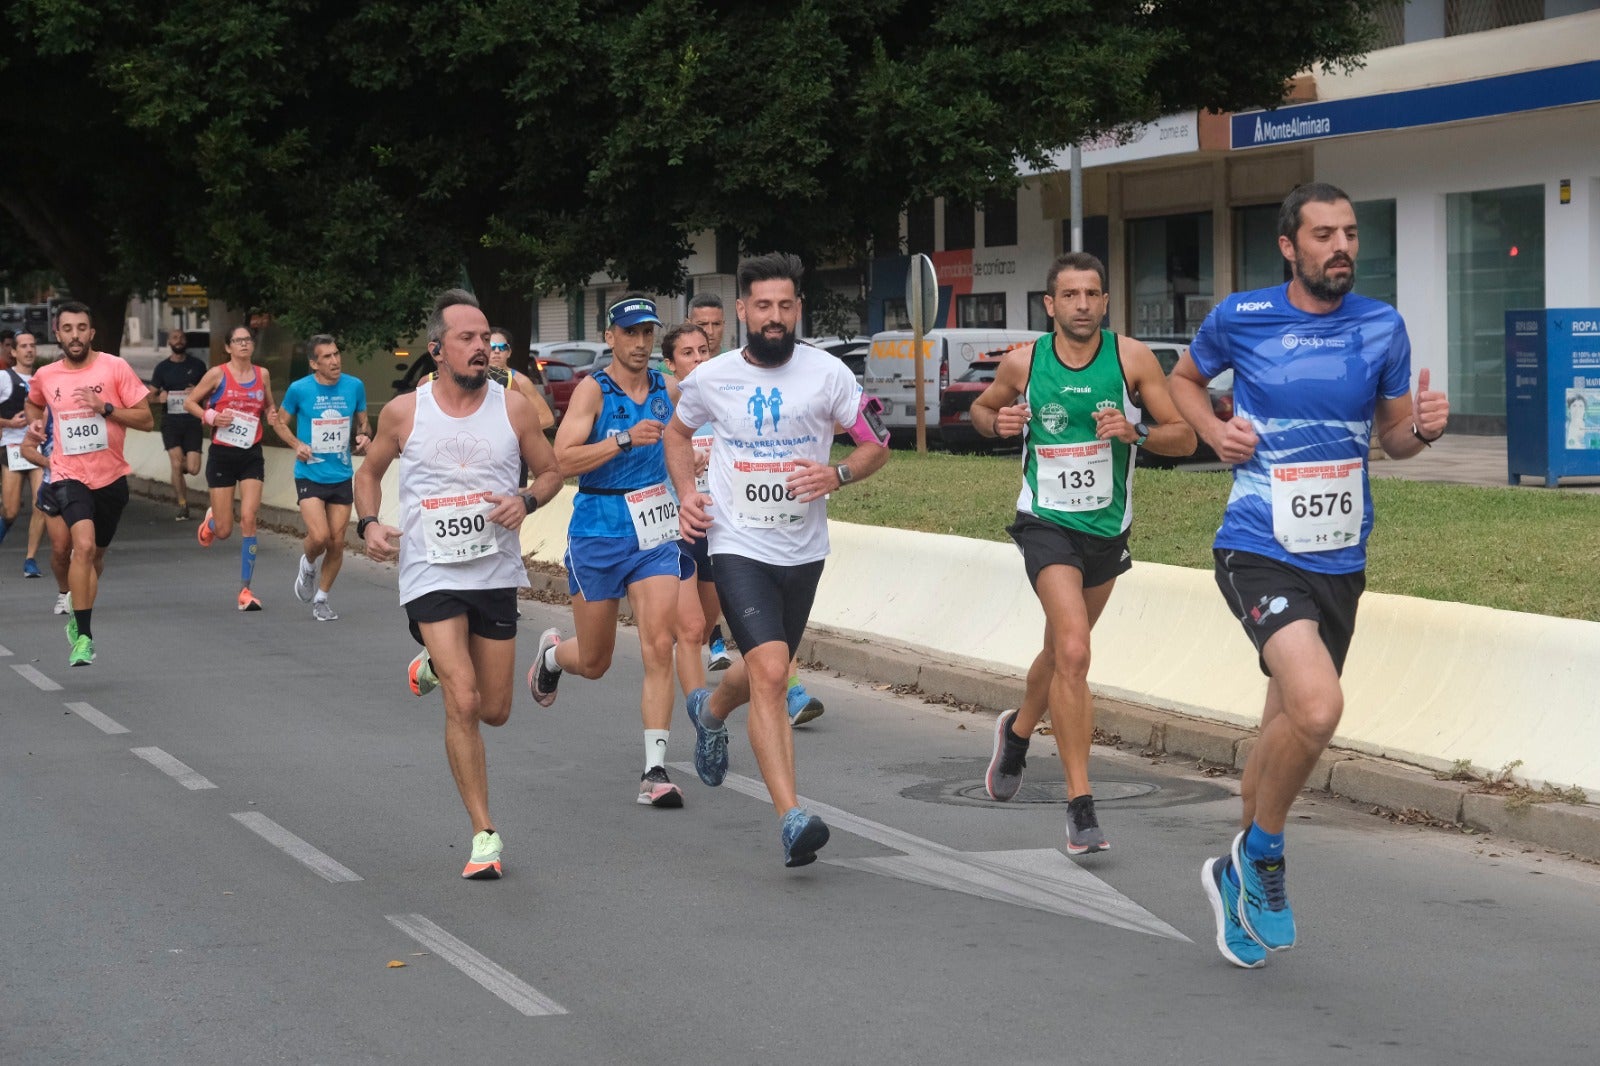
1427, 682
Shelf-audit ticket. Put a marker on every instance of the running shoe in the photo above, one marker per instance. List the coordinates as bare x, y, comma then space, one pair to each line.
1083, 828
542, 680
657, 790
1006, 762
205, 533
305, 581
420, 674
248, 601
323, 611
710, 745
720, 660
1264, 898
30, 568
82, 652
183, 515
72, 624
485, 862
63, 603
803, 707
1236, 945
803, 836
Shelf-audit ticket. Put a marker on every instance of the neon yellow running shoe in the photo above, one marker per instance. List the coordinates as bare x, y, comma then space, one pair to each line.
82, 652
420, 675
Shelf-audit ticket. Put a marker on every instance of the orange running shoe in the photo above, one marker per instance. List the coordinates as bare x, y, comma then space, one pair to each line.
248, 601
206, 533
485, 863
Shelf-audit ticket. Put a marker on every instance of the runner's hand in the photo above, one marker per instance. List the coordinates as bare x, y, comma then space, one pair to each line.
302, 452
224, 418
17, 421
1008, 421
1112, 423
702, 459
509, 511
643, 434
811, 481
1429, 410
1238, 441
381, 541
35, 434
362, 440
694, 516
88, 399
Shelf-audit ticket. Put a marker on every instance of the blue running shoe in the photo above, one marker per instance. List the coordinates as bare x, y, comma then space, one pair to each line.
803, 836
710, 745
1236, 945
1264, 899
803, 706
720, 659
30, 568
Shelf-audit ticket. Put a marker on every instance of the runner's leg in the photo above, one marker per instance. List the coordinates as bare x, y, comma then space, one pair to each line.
333, 554
222, 511
588, 652
1310, 706
451, 651
689, 635
180, 490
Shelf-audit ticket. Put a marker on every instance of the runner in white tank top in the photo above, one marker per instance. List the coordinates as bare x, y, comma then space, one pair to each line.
459, 439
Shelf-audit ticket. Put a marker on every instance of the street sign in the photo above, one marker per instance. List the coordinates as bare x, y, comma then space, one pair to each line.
922, 300
187, 303
182, 291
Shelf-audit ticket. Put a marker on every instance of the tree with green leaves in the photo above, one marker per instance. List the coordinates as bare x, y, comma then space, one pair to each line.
338, 160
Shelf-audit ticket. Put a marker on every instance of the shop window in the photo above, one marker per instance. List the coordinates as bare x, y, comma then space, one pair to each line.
1170, 276
1258, 261
1477, 16
1000, 220
1038, 320
919, 228
983, 310
895, 315
1494, 249
1376, 268
1389, 24
960, 226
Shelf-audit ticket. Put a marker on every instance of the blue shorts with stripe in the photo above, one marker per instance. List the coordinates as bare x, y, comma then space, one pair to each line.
602, 568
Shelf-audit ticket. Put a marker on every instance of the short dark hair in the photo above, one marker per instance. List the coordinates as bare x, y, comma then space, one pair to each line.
447, 299
511, 338
1074, 261
1311, 192
705, 299
675, 334
21, 333
74, 307
319, 339
774, 266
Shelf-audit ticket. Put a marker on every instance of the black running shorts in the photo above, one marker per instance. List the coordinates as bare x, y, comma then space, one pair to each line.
764, 602
491, 613
1099, 559
102, 506
226, 466
1266, 595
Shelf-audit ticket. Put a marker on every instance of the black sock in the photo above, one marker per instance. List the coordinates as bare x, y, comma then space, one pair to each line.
1012, 738
83, 622
716, 632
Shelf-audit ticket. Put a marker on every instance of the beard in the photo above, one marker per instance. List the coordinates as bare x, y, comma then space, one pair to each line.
470, 382
1320, 284
769, 351
75, 351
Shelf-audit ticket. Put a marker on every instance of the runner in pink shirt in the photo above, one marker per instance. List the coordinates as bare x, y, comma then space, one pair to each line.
95, 398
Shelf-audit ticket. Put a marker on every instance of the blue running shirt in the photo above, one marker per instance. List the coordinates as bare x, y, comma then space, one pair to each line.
605, 513
324, 418
1310, 385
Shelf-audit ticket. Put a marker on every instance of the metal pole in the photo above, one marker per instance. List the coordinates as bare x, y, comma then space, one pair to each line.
1077, 200
916, 349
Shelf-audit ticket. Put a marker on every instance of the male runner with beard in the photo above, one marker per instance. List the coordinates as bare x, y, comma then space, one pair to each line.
170, 383
766, 518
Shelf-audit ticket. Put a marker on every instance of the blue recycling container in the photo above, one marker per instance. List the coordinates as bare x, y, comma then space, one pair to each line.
1552, 394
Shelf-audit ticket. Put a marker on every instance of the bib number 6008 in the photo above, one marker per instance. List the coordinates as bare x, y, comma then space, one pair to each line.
766, 492
1320, 504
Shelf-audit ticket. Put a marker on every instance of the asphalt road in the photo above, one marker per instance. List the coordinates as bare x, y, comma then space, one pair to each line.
219, 837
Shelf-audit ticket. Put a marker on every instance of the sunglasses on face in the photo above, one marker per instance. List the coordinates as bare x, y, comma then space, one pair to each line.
499, 347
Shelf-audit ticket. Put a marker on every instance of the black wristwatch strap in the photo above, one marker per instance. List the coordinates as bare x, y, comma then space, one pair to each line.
530, 501
361, 526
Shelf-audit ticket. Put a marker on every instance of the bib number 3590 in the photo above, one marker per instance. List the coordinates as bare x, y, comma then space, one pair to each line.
456, 529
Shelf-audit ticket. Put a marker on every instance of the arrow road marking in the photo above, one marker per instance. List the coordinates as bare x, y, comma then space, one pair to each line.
1039, 878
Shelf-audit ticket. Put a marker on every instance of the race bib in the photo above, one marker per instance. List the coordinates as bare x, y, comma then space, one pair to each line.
241, 432
654, 511
15, 461
702, 448
761, 497
1074, 477
82, 432
456, 529
1317, 507
175, 402
330, 434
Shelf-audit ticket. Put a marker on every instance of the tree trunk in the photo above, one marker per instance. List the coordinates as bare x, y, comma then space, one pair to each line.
505, 308
74, 245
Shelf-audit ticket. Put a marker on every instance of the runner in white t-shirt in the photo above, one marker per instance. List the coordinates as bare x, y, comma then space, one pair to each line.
773, 409
18, 471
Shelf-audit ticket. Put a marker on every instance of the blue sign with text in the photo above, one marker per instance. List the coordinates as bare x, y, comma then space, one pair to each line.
1552, 394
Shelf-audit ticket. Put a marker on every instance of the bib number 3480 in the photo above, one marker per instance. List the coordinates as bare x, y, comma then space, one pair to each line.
1317, 507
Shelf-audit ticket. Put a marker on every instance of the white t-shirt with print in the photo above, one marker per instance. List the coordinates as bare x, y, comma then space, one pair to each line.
763, 419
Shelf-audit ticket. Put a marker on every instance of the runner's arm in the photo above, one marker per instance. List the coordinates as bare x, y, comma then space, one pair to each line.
394, 426
537, 454
1235, 440
572, 453
131, 411
193, 402
1170, 434
1002, 395
541, 409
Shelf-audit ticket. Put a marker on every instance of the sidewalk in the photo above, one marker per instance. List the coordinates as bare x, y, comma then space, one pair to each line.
1466, 460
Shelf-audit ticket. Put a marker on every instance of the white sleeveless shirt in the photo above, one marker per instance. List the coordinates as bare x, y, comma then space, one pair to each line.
447, 466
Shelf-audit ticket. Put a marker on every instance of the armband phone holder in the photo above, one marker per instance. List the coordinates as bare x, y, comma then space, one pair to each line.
869, 427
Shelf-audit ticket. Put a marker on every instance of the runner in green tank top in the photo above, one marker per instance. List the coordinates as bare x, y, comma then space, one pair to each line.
1071, 397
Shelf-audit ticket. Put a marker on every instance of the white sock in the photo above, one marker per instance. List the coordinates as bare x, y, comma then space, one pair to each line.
551, 664
655, 748
320, 597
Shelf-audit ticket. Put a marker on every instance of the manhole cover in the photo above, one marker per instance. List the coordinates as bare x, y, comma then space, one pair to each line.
1056, 791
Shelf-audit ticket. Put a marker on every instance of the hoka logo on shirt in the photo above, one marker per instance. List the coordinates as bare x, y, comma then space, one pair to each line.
1253, 305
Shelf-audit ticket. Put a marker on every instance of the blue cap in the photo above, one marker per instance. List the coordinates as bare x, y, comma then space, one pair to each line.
632, 312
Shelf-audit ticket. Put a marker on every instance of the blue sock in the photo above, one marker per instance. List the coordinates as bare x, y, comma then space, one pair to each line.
1259, 844
247, 559
4, 525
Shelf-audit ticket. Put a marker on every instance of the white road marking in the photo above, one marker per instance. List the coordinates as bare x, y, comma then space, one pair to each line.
4, 651
518, 994
1040, 878
172, 768
324, 865
95, 718
38, 680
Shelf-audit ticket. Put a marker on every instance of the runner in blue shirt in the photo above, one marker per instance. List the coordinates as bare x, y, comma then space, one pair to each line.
330, 424
1317, 370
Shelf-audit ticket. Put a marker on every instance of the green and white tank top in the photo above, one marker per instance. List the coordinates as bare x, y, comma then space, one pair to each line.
1069, 477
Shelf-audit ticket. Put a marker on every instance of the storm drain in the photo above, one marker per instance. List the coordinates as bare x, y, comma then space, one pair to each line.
959, 782
1056, 791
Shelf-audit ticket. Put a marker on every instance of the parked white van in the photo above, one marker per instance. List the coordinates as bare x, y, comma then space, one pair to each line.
947, 353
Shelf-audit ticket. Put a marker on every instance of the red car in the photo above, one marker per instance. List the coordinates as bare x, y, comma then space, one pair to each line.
560, 379
955, 407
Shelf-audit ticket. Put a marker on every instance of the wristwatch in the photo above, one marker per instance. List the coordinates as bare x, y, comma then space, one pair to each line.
106, 411
530, 501
1427, 442
361, 526
1144, 434
844, 474
624, 440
